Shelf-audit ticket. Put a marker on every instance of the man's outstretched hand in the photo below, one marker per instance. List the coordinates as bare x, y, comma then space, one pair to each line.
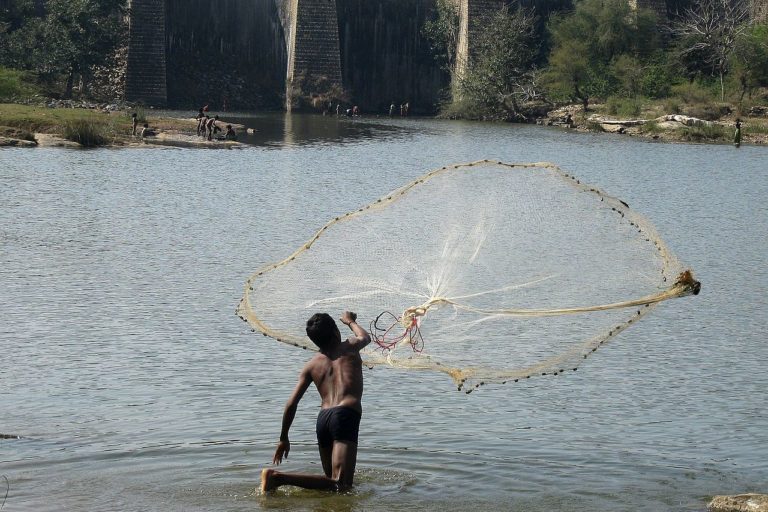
348, 317
283, 447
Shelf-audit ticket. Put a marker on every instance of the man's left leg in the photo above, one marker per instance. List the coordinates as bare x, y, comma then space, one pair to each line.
344, 459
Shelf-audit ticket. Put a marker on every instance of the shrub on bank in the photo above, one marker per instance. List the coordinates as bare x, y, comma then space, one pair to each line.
16, 133
13, 85
709, 132
85, 133
624, 107
694, 92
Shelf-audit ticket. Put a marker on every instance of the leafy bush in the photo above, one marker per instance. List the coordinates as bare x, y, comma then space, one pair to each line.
13, 84
656, 81
624, 107
694, 92
705, 132
16, 133
651, 127
85, 133
672, 106
755, 128
594, 126
707, 111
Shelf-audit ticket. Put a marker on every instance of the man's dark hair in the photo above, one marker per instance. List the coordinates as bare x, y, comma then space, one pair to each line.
321, 329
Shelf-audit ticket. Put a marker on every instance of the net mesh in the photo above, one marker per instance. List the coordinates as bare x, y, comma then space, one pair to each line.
486, 271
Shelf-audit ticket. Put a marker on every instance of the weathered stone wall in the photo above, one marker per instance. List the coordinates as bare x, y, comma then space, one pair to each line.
385, 58
759, 10
313, 63
225, 53
473, 17
146, 63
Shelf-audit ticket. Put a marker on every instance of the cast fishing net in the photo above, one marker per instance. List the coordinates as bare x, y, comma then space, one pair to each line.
486, 271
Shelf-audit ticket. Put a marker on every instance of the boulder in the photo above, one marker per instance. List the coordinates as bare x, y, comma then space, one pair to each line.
739, 503
8, 141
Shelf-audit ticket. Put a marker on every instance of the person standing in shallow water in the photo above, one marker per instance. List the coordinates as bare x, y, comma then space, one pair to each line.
337, 372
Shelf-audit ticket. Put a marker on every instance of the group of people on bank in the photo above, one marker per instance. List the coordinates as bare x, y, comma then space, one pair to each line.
145, 130
208, 127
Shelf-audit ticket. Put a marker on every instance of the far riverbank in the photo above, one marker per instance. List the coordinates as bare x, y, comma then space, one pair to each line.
30, 126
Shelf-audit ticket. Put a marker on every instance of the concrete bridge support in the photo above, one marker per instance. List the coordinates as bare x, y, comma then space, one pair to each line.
473, 17
759, 11
312, 40
145, 79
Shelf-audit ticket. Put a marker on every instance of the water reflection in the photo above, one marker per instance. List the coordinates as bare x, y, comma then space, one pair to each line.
279, 129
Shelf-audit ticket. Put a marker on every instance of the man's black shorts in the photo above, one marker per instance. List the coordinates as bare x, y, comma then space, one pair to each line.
337, 424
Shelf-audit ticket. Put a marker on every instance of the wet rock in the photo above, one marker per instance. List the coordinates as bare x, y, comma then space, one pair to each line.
10, 142
739, 503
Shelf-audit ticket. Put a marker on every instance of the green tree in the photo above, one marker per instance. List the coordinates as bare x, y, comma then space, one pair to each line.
79, 34
60, 38
499, 74
19, 20
442, 32
593, 43
749, 60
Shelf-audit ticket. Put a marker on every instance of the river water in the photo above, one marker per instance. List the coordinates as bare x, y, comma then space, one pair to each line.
133, 386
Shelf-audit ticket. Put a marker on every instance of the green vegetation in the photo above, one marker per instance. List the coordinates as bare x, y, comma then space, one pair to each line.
61, 42
53, 120
712, 132
87, 127
708, 61
14, 84
496, 82
442, 32
600, 48
85, 133
16, 133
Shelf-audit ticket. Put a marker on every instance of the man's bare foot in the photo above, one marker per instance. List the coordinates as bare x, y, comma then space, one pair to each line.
268, 480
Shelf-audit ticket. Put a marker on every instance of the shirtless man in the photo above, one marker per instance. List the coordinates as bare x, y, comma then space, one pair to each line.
211, 127
202, 124
337, 372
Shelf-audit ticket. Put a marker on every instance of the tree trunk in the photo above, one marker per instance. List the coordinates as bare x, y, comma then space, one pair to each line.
70, 83
722, 87
743, 82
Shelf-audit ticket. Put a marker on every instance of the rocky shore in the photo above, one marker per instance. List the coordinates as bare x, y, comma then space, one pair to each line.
181, 132
739, 503
36, 125
666, 127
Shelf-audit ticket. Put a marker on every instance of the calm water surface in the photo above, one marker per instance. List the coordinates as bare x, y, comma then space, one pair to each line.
133, 386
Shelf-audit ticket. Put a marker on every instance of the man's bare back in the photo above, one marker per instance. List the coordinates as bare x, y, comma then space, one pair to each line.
338, 377
337, 372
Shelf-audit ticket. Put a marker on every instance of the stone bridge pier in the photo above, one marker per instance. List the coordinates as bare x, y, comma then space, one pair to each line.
282, 53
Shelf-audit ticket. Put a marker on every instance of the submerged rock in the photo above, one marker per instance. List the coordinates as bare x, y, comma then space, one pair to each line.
739, 503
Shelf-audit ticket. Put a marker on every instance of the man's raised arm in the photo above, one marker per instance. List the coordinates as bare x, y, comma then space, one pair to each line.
362, 338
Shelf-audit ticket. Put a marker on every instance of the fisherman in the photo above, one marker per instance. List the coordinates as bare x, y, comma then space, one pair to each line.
134, 123
337, 372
